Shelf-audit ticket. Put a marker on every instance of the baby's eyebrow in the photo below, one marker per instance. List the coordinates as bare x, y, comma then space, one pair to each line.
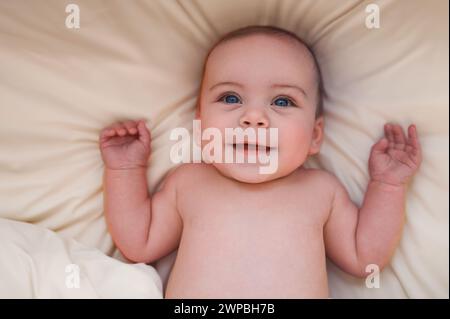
290, 86
272, 86
225, 83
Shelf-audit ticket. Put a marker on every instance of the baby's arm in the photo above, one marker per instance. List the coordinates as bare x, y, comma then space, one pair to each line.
355, 238
143, 227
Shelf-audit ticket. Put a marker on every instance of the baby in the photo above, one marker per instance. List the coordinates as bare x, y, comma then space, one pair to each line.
240, 233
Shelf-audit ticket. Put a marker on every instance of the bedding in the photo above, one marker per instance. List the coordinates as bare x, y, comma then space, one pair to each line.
142, 59
37, 263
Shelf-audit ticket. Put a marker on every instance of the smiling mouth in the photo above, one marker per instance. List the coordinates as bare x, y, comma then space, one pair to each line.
251, 147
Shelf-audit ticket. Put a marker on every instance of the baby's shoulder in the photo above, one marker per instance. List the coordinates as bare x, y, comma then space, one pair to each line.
319, 178
186, 174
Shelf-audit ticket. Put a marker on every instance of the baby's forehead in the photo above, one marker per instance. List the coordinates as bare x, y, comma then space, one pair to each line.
262, 42
266, 55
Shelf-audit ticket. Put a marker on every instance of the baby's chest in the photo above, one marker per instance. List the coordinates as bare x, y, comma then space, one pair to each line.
216, 199
252, 234
253, 217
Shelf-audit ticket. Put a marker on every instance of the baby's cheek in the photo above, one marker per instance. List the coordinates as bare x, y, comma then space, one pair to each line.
295, 144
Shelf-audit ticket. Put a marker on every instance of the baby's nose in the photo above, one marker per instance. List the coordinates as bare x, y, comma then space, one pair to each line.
254, 118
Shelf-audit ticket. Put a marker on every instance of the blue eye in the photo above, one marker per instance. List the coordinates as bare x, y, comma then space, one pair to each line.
285, 102
230, 99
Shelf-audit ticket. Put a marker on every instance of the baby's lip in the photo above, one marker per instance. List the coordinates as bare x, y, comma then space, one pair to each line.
246, 145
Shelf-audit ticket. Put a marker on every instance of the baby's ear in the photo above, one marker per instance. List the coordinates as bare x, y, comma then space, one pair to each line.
317, 136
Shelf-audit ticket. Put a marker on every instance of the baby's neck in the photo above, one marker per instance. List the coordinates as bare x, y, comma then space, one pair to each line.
258, 186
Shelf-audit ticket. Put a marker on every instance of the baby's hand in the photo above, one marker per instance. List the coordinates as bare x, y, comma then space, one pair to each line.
125, 145
395, 159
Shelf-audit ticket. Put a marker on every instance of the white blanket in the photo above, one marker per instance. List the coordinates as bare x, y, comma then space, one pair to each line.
37, 263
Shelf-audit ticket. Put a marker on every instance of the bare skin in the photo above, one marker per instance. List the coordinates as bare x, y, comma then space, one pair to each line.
240, 235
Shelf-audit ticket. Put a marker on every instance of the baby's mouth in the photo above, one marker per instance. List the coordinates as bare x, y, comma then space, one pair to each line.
246, 147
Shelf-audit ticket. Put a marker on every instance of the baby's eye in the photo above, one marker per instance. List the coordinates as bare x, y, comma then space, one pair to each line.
229, 99
284, 102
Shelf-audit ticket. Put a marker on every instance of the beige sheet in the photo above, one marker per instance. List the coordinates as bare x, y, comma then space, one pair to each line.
59, 87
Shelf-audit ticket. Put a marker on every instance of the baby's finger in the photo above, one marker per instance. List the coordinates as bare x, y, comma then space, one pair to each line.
144, 133
389, 135
413, 139
120, 129
106, 133
115, 126
412, 135
110, 132
131, 127
399, 137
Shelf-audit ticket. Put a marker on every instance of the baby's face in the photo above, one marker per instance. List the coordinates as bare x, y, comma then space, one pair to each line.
261, 81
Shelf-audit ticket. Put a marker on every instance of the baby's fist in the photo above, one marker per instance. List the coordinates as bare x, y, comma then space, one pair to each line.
125, 145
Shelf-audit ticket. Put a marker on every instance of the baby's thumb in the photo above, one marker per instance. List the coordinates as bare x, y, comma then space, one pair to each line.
380, 146
144, 132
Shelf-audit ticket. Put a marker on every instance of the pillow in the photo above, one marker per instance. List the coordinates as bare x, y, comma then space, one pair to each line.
60, 87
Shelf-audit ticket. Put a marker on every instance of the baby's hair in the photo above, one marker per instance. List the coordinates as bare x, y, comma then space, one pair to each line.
278, 32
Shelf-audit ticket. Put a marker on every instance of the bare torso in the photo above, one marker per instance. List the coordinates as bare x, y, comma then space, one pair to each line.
250, 240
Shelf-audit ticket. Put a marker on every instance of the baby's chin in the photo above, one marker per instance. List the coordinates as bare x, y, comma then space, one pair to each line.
246, 172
